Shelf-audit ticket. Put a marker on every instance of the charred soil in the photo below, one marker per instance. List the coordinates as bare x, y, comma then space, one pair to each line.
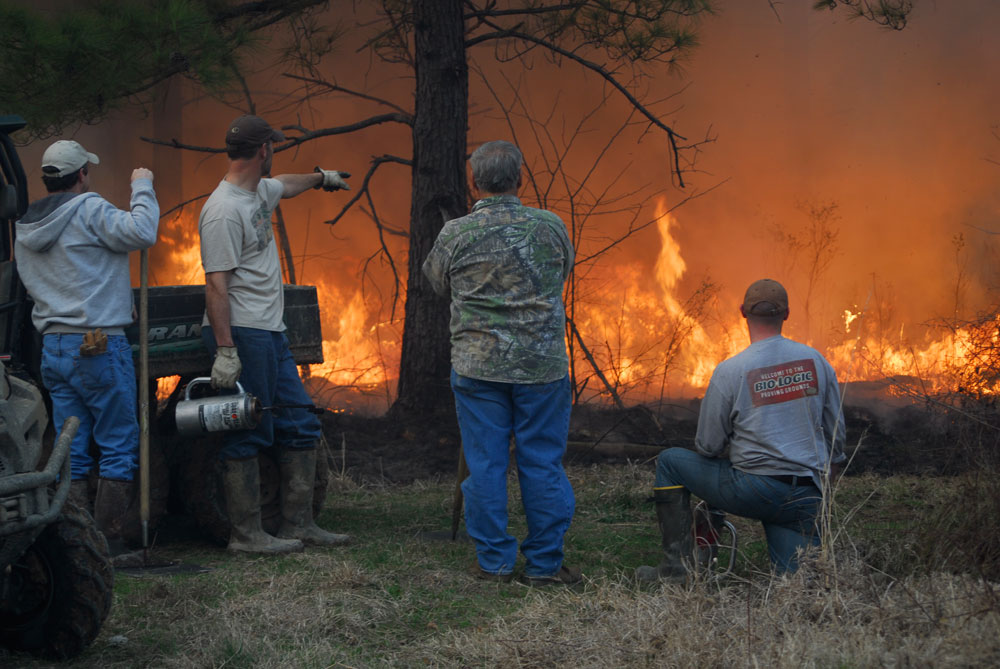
393, 450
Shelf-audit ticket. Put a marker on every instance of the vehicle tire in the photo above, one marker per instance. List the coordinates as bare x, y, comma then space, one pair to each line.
204, 498
60, 589
198, 481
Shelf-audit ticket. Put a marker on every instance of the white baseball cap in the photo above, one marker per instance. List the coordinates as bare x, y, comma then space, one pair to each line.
65, 157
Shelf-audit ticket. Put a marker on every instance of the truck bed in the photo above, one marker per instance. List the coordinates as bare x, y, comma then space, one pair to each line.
175, 314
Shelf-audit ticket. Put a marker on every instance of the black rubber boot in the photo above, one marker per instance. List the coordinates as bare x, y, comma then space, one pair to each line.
673, 513
298, 470
242, 484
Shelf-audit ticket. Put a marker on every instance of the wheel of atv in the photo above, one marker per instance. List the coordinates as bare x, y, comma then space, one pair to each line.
58, 593
201, 488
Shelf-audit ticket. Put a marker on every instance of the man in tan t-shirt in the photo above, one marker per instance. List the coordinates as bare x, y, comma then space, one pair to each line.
244, 308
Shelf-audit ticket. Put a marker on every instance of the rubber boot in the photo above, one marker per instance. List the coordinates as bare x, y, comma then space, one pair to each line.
673, 513
79, 494
242, 484
110, 506
114, 507
298, 470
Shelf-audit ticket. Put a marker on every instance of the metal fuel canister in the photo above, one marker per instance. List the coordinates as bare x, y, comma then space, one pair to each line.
218, 413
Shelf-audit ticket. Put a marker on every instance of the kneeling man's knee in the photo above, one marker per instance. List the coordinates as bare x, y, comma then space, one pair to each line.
666, 472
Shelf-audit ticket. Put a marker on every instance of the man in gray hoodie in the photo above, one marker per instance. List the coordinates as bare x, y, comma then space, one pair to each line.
72, 251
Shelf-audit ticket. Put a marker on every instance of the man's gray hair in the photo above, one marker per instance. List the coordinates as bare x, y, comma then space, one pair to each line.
496, 166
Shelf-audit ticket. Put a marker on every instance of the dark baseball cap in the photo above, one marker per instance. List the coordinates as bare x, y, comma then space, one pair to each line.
765, 297
250, 130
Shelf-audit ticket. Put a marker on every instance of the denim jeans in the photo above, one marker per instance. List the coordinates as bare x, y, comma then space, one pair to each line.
788, 513
538, 417
100, 391
269, 374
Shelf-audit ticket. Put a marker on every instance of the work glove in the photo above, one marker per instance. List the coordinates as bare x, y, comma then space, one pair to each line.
333, 180
227, 367
94, 343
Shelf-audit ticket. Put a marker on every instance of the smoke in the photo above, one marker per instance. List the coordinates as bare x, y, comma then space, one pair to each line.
893, 127
894, 130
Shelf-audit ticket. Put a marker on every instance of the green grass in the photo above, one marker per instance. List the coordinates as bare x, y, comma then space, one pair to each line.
394, 597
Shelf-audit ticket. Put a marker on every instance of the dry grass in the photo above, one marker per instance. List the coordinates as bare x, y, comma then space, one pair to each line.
858, 620
394, 599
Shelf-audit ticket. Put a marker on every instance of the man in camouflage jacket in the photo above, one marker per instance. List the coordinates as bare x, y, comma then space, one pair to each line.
504, 266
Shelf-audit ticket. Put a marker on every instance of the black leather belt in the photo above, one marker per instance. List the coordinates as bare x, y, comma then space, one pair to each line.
792, 479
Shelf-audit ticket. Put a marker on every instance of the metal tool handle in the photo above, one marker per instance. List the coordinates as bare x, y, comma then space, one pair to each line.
202, 380
144, 483
728, 526
311, 408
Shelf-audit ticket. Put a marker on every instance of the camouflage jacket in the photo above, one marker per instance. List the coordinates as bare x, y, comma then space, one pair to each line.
504, 266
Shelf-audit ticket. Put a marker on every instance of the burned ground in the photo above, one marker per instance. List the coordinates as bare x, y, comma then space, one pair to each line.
907, 440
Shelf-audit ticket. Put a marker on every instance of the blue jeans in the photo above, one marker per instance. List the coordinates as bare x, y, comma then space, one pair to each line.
100, 391
538, 416
269, 374
788, 513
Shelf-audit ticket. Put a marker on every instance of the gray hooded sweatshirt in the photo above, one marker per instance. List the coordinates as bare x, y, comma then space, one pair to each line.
72, 254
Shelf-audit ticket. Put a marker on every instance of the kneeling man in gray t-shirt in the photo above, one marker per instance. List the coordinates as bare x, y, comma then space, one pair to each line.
776, 408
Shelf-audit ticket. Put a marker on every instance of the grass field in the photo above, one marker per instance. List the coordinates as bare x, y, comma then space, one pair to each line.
400, 596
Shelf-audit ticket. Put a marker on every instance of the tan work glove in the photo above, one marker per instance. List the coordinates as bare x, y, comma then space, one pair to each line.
333, 180
227, 367
94, 343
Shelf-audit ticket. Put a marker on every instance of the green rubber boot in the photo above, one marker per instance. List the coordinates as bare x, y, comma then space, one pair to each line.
242, 484
673, 513
298, 470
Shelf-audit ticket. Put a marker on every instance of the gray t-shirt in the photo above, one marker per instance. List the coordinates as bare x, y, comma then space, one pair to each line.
777, 407
236, 234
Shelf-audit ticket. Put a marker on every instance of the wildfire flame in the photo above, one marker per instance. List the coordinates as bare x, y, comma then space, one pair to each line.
648, 340
165, 386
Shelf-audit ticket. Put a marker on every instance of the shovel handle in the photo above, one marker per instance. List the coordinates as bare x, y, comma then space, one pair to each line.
456, 510
144, 394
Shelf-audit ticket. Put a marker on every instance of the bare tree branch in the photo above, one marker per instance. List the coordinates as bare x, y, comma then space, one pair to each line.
286, 247
597, 368
184, 204
336, 88
267, 12
633, 229
601, 71
365, 185
306, 136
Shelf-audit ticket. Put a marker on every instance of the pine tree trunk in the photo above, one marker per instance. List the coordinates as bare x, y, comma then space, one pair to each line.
439, 194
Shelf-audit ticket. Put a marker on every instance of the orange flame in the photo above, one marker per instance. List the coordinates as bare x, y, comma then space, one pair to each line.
647, 338
165, 386
360, 352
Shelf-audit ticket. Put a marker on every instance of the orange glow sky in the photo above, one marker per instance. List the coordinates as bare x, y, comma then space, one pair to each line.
895, 128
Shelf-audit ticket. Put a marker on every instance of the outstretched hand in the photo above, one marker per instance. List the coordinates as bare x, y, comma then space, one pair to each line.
333, 180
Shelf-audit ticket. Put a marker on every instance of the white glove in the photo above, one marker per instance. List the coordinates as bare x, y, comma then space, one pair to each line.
227, 367
333, 180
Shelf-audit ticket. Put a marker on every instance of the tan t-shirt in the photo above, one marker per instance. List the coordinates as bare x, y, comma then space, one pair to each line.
236, 234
